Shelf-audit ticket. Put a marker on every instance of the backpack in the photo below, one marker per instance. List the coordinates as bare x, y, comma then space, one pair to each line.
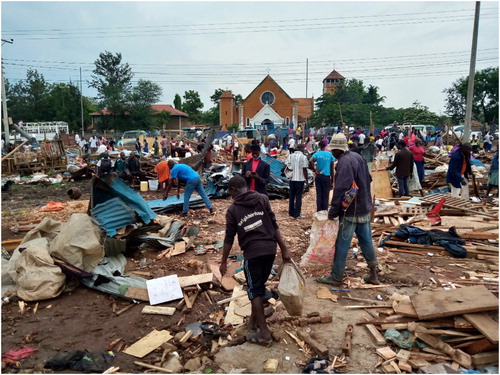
105, 166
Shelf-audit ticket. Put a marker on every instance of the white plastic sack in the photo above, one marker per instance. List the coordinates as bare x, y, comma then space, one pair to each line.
322, 242
79, 243
37, 275
291, 288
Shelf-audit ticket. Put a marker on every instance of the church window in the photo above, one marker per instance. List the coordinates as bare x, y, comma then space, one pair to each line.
267, 98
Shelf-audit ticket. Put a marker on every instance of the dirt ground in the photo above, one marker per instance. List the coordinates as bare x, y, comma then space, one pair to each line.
84, 319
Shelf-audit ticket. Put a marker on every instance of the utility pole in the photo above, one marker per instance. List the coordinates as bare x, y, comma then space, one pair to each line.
5, 118
307, 105
81, 103
472, 71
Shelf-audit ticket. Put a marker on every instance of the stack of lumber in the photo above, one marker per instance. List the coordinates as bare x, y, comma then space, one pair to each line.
459, 326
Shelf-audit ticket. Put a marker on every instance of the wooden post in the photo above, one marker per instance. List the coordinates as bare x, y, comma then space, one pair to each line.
346, 131
372, 127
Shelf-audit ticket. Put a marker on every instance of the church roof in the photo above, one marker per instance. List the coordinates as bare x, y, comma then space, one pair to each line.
268, 77
226, 94
334, 74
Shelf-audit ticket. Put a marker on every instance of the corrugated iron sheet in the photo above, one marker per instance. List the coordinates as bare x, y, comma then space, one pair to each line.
113, 214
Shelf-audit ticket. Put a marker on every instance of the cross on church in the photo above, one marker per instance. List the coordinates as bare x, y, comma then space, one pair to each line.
268, 70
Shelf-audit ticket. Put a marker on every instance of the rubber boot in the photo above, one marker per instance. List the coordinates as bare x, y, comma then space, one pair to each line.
372, 278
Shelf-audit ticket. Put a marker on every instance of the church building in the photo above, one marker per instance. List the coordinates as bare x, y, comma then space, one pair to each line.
268, 106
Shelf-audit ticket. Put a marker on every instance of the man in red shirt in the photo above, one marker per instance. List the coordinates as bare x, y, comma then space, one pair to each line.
256, 172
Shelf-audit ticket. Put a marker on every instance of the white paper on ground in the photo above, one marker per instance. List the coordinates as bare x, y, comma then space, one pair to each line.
164, 289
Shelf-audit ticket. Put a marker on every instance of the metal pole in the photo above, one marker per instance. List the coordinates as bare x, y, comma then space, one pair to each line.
81, 103
307, 81
5, 118
472, 70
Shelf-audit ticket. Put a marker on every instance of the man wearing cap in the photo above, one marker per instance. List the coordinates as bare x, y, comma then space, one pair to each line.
353, 214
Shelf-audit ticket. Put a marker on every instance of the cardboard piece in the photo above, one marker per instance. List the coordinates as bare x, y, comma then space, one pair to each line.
148, 343
164, 289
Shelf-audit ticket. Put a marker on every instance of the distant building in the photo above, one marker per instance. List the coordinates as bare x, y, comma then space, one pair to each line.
268, 106
178, 119
331, 82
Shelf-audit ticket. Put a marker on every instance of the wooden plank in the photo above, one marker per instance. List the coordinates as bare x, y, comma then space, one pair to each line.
379, 339
195, 279
381, 184
158, 310
456, 354
479, 236
429, 305
479, 346
140, 294
318, 347
488, 358
484, 324
231, 317
179, 248
148, 343
386, 353
406, 308
153, 367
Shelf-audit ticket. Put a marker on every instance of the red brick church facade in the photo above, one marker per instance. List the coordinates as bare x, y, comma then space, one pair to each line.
268, 106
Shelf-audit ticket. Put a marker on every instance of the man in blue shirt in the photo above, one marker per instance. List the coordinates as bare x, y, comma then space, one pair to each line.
324, 175
193, 182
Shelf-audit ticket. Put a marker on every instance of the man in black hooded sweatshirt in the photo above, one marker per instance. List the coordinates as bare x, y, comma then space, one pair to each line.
252, 219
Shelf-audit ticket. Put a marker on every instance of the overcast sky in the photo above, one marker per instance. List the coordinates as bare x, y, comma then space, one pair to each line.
409, 50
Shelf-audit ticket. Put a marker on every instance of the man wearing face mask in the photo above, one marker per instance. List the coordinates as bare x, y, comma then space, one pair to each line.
256, 172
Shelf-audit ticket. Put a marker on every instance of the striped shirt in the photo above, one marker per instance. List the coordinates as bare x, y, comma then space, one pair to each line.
297, 162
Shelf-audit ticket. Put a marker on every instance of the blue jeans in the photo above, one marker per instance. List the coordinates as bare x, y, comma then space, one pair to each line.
403, 186
295, 199
322, 191
347, 229
188, 190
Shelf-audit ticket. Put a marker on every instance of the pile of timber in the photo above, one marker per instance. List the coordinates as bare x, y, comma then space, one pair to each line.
458, 326
479, 230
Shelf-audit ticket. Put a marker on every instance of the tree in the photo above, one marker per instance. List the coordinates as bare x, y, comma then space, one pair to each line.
485, 99
419, 114
112, 80
178, 102
192, 105
371, 96
162, 118
210, 117
140, 99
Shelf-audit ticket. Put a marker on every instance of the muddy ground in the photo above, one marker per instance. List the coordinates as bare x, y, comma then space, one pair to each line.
83, 319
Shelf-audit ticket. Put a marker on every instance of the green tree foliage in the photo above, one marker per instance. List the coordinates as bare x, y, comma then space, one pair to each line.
34, 100
192, 105
178, 102
485, 100
419, 114
210, 117
112, 80
140, 99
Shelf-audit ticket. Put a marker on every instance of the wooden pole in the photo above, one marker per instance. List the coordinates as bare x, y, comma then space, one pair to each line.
346, 132
372, 127
14, 150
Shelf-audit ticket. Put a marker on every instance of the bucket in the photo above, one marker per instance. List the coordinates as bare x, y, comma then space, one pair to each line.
144, 186
153, 185
74, 193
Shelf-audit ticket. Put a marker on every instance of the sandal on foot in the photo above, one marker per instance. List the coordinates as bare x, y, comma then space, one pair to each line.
253, 338
328, 281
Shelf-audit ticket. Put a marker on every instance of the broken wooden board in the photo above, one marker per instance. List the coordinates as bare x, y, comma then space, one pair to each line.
158, 310
386, 353
140, 294
243, 307
148, 343
484, 359
324, 293
196, 279
379, 339
231, 317
318, 347
456, 354
179, 248
381, 184
406, 308
431, 305
484, 324
227, 281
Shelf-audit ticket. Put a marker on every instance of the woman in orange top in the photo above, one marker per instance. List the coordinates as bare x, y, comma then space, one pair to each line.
163, 172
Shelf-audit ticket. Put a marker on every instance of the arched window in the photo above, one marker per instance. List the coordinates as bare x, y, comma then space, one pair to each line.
248, 121
287, 121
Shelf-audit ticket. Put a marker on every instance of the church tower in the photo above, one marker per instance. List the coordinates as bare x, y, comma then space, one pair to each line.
226, 110
331, 82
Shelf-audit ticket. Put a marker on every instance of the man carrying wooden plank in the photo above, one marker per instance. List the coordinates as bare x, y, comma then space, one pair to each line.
352, 203
251, 217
